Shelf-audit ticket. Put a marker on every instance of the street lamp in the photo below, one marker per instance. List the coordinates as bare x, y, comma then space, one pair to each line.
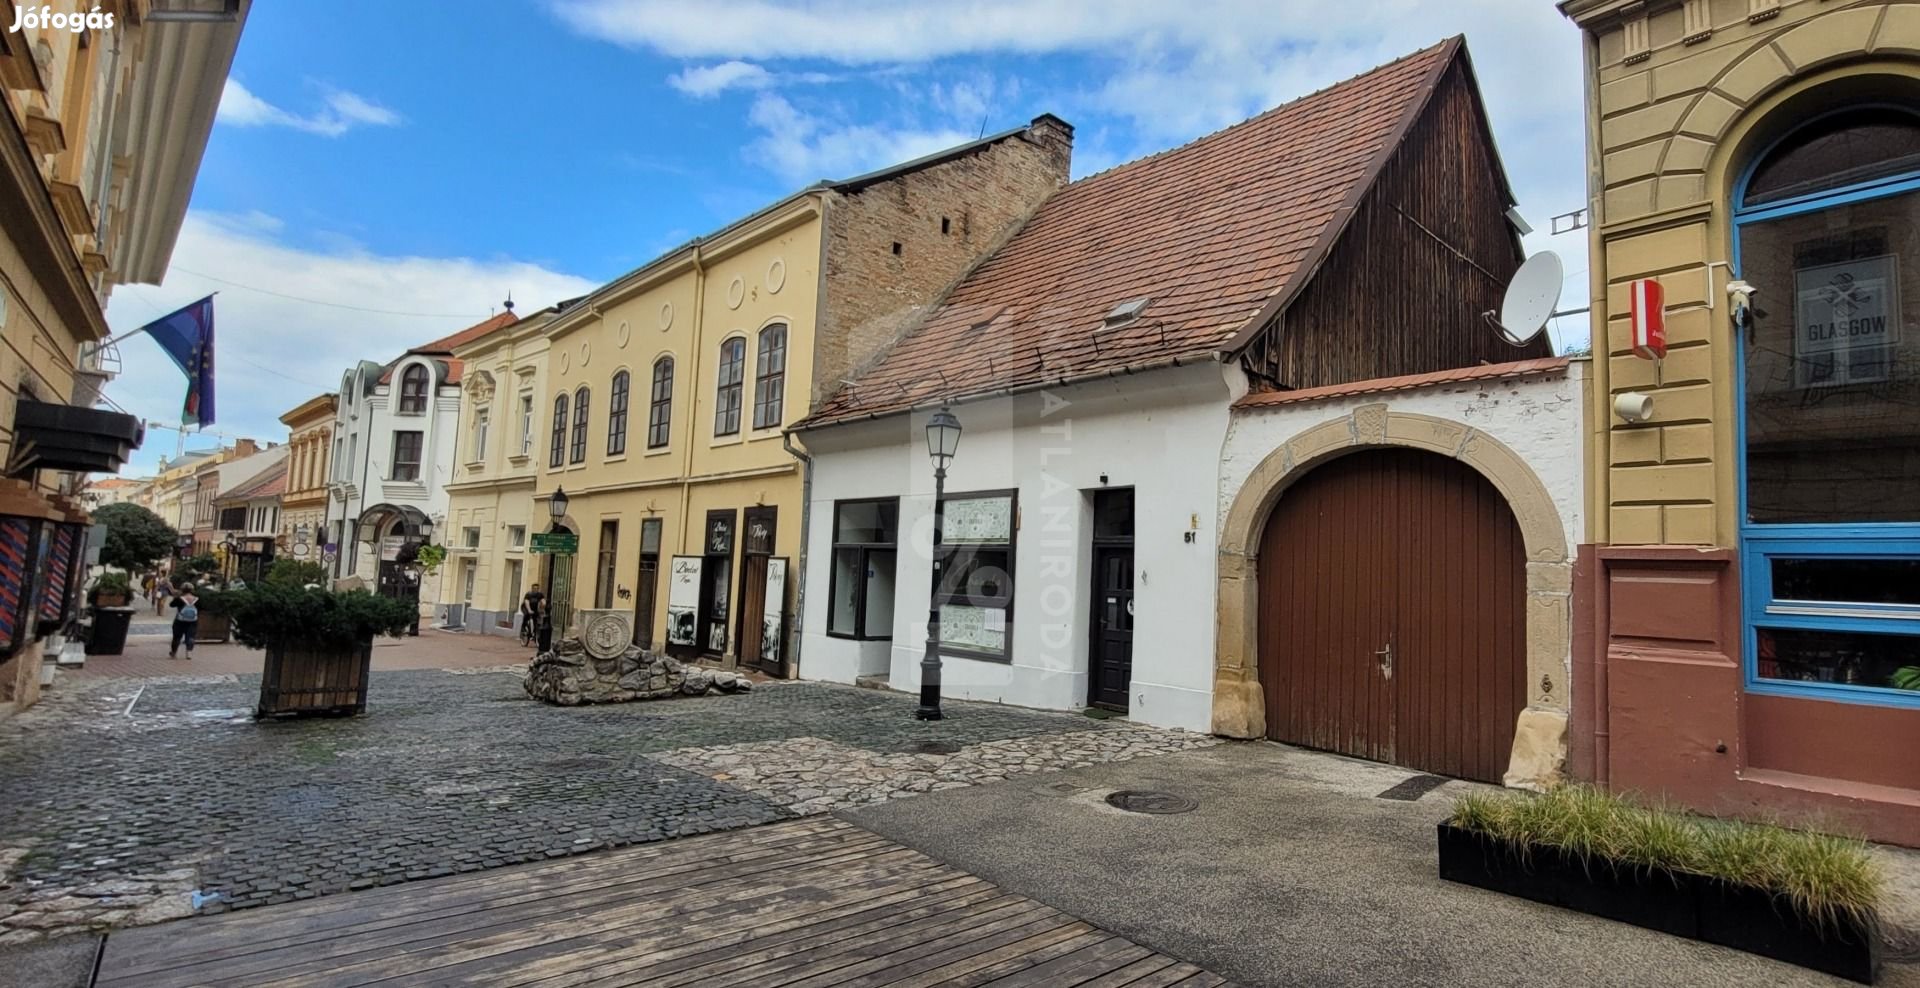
943, 438
557, 504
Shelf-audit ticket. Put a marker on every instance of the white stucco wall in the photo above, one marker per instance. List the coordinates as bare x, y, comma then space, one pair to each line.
1160, 433
1539, 418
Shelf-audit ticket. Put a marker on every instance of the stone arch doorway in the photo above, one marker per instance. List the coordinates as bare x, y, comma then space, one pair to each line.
1239, 701
1392, 593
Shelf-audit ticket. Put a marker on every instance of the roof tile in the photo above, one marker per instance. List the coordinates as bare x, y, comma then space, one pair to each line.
1210, 231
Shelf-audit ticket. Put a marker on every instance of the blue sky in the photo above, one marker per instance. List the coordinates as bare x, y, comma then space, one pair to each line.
425, 164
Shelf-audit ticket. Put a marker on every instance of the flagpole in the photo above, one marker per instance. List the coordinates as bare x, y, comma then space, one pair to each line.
111, 340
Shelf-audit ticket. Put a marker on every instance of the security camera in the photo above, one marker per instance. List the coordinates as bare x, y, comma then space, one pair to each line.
1740, 296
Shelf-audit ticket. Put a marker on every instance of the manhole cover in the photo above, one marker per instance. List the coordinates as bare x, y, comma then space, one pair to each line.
934, 748
1150, 802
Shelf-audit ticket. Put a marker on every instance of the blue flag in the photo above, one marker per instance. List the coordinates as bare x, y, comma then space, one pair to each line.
187, 336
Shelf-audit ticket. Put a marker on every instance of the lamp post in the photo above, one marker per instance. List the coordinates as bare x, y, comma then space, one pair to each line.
943, 438
557, 504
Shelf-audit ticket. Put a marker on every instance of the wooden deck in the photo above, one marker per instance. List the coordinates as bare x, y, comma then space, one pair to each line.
804, 904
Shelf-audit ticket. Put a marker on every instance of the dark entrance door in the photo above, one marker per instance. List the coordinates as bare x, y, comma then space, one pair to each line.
756, 550
646, 584
1110, 666
716, 583
1392, 618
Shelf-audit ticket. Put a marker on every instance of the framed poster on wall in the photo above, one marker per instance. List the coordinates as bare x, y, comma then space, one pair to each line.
773, 616
683, 599
1846, 321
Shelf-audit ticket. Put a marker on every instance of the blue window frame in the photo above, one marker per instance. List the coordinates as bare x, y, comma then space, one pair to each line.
1829, 607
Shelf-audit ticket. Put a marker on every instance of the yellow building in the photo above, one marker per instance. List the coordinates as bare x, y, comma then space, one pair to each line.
1752, 567
303, 507
490, 499
102, 123
667, 391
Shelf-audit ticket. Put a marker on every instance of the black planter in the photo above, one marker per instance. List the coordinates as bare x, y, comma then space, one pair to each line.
1685, 905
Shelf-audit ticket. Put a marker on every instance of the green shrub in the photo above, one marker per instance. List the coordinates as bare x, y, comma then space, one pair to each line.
111, 583
276, 615
1826, 876
201, 571
296, 572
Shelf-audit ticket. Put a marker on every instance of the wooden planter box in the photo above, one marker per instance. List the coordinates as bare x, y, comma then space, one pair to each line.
1678, 903
315, 681
213, 627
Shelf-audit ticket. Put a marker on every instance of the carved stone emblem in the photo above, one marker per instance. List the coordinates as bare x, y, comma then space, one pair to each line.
605, 634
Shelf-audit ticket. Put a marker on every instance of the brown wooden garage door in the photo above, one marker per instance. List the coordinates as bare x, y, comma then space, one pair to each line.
1392, 619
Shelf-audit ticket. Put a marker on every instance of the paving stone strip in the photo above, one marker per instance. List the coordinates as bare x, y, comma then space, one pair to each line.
814, 775
183, 804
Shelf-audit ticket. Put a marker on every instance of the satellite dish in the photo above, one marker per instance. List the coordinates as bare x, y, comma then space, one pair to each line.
1531, 296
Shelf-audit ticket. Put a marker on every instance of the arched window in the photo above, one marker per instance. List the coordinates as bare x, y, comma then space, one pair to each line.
660, 409
557, 451
413, 390
617, 415
733, 366
579, 426
770, 378
1827, 229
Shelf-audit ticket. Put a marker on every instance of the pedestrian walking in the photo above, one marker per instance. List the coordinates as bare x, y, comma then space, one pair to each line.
186, 620
546, 626
162, 589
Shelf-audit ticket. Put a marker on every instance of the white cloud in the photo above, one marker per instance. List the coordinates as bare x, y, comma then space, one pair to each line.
340, 112
712, 80
800, 146
1168, 71
273, 352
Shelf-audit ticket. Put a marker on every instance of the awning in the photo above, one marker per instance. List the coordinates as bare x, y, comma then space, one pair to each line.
52, 436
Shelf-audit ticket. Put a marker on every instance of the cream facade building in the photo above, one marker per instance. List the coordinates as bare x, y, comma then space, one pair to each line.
303, 505
102, 126
1749, 566
490, 564
667, 392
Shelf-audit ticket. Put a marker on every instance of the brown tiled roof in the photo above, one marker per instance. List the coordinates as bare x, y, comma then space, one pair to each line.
1211, 232
1405, 382
443, 347
268, 484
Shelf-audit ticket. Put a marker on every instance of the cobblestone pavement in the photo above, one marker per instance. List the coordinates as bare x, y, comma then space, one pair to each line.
135, 800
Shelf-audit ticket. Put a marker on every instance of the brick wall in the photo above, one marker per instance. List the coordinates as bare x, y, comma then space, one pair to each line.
896, 246
1684, 94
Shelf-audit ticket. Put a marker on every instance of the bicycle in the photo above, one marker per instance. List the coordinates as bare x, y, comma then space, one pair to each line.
526, 630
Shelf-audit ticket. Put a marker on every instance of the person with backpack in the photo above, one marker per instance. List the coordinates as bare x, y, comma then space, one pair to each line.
186, 620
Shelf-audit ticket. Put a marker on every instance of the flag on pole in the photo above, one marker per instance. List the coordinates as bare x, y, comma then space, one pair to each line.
187, 336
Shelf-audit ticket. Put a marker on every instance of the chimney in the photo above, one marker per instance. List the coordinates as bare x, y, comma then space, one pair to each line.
244, 447
1055, 136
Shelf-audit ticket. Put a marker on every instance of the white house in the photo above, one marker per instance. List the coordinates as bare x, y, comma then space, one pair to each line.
1126, 369
395, 433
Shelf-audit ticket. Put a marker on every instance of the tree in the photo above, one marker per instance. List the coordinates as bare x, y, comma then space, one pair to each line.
136, 538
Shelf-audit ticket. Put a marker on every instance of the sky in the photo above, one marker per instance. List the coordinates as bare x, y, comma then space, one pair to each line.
381, 175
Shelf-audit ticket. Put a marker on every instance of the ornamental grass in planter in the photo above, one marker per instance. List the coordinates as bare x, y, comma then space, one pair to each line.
319, 644
1805, 898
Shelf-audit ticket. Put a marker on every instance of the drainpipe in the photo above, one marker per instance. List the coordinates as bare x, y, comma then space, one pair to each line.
806, 526
1598, 477
693, 396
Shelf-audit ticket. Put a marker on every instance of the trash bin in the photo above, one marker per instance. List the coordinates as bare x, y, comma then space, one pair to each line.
109, 635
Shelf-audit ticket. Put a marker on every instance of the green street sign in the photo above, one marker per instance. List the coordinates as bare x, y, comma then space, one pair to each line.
556, 543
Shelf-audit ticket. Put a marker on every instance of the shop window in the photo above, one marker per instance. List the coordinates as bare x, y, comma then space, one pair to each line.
660, 407
770, 378
865, 547
733, 365
1827, 228
578, 454
617, 415
557, 446
973, 561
